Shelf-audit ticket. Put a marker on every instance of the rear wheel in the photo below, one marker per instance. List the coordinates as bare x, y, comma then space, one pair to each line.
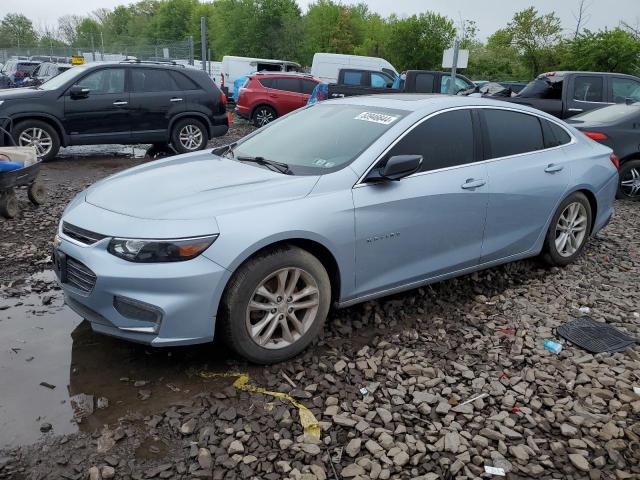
38, 134
189, 135
275, 305
263, 115
8, 204
629, 186
569, 230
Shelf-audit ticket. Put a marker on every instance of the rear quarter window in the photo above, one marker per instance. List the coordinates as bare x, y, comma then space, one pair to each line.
183, 82
554, 134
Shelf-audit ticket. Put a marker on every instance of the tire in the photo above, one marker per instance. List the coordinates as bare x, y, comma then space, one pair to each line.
9, 204
189, 135
235, 317
629, 186
263, 115
47, 144
37, 193
561, 254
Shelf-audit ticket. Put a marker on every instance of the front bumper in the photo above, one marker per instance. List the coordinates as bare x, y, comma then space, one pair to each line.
185, 295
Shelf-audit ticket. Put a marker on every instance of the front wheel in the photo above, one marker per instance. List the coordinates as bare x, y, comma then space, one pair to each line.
629, 186
189, 135
569, 230
40, 135
275, 305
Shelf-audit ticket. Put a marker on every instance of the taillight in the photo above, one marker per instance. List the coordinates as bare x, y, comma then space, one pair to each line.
615, 160
223, 100
596, 136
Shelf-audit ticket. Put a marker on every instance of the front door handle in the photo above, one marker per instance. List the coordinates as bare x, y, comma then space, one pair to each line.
471, 184
577, 110
553, 168
120, 103
174, 99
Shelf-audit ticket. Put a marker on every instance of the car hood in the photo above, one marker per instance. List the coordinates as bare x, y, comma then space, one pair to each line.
194, 186
20, 93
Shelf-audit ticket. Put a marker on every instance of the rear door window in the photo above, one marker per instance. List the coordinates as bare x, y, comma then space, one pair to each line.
352, 78
512, 133
445, 140
424, 83
288, 84
151, 80
588, 89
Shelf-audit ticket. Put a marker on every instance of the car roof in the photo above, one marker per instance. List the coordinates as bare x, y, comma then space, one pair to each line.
282, 74
427, 103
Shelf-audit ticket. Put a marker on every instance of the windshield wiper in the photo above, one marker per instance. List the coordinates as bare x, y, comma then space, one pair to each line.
272, 164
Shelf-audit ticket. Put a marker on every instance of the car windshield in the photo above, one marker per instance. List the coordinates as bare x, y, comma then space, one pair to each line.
59, 80
612, 114
543, 87
320, 139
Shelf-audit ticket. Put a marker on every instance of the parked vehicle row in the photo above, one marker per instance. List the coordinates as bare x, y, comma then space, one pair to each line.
335, 204
122, 103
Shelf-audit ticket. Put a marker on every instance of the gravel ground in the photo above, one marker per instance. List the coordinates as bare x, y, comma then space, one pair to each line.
435, 383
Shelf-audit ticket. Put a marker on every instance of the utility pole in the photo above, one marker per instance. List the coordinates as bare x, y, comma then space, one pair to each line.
93, 49
209, 61
203, 42
454, 67
102, 44
190, 43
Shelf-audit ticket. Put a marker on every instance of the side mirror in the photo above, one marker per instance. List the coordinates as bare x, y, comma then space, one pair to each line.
78, 92
397, 167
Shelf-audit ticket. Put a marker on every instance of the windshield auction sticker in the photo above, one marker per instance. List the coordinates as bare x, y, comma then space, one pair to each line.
377, 118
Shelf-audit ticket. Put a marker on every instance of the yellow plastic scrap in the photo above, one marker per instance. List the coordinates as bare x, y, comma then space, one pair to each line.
310, 425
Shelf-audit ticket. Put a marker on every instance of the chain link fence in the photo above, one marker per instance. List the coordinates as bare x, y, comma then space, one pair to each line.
181, 51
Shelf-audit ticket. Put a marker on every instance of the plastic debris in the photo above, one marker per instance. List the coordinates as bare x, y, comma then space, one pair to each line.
310, 424
494, 471
553, 346
364, 391
636, 390
82, 405
477, 397
584, 310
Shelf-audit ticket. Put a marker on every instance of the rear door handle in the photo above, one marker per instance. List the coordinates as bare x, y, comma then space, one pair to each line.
471, 184
174, 99
552, 168
120, 103
576, 110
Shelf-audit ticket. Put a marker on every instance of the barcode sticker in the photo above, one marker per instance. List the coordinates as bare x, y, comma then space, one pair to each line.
377, 118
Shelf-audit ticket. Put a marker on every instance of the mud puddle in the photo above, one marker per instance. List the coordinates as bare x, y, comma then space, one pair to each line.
54, 370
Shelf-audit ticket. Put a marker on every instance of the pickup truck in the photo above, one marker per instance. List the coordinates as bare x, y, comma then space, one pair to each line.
364, 82
564, 94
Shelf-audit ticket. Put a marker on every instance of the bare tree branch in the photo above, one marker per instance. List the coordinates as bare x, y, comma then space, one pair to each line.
582, 16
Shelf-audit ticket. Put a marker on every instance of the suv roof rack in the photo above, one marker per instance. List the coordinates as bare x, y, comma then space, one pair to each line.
293, 74
152, 62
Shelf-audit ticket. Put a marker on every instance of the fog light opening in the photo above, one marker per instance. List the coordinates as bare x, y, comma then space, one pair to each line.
140, 311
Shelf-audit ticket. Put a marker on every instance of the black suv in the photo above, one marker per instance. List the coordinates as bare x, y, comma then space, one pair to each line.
125, 103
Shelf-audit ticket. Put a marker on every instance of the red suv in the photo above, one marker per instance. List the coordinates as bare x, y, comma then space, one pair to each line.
267, 96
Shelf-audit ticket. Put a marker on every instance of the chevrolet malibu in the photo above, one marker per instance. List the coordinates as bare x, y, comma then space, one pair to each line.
335, 204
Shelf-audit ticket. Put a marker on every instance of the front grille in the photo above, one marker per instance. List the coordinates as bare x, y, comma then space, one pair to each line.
80, 234
80, 276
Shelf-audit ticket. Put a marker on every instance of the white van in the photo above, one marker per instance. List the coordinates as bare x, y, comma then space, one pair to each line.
327, 65
236, 67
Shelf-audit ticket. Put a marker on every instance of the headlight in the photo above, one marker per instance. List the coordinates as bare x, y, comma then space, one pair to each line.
150, 251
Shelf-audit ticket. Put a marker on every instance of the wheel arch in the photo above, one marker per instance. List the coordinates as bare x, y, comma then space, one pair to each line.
201, 117
42, 117
315, 247
264, 104
593, 203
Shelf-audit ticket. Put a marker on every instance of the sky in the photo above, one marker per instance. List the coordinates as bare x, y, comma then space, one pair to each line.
489, 14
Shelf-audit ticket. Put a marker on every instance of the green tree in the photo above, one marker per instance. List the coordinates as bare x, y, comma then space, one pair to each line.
417, 42
175, 19
17, 30
614, 50
535, 36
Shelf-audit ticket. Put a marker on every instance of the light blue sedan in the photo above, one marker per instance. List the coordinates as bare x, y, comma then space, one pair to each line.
334, 204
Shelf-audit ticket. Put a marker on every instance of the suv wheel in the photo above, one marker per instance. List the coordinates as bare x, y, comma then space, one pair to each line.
275, 305
629, 186
263, 115
189, 135
569, 230
38, 134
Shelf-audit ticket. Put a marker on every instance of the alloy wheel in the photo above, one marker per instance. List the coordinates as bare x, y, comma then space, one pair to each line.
264, 116
190, 137
38, 138
571, 229
630, 183
282, 308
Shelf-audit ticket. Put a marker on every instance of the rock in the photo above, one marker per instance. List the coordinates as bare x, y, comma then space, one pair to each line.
204, 459
568, 430
283, 467
45, 427
579, 462
401, 459
519, 452
94, 473
188, 427
108, 472
235, 447
352, 470
385, 415
452, 442
373, 447
311, 449
353, 447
